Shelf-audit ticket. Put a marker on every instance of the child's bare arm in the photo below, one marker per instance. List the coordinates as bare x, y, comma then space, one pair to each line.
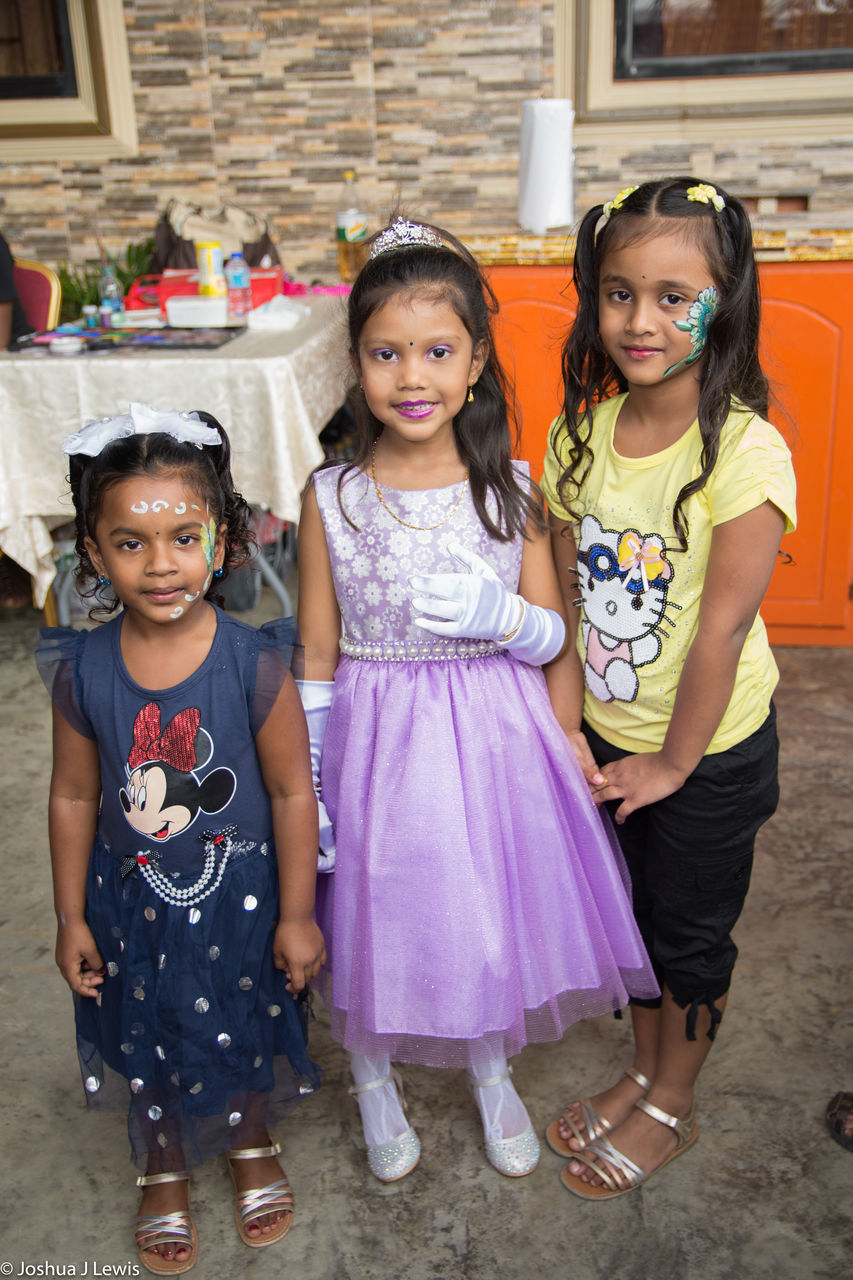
318, 614
75, 792
282, 745
565, 675
741, 561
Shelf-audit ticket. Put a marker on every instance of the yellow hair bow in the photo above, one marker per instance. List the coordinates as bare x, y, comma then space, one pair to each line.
704, 193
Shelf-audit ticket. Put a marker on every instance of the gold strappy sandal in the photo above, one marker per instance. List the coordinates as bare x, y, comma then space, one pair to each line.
156, 1229
595, 1125
250, 1206
627, 1175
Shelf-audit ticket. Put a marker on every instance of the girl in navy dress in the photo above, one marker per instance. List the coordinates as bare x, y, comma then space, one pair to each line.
183, 829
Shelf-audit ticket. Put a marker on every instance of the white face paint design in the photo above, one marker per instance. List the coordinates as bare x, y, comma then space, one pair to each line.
207, 583
176, 613
159, 505
189, 599
180, 508
195, 507
139, 508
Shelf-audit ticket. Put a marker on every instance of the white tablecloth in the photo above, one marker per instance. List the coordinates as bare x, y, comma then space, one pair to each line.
272, 391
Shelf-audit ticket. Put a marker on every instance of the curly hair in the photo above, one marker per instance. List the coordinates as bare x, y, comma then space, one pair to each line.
207, 469
730, 370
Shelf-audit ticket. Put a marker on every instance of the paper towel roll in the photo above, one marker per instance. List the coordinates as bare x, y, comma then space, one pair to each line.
545, 177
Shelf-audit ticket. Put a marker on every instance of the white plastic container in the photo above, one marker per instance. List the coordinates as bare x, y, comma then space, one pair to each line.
191, 312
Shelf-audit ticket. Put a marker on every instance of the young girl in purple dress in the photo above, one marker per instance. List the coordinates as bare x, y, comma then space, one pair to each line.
477, 902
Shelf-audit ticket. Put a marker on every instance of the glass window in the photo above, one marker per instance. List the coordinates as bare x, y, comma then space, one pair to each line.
36, 60
659, 39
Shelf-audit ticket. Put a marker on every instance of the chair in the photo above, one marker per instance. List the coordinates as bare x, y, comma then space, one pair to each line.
40, 293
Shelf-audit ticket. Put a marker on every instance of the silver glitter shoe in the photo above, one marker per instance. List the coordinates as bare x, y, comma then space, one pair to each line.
392, 1160
513, 1157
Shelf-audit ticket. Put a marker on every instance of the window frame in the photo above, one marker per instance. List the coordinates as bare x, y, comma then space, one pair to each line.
795, 107
99, 122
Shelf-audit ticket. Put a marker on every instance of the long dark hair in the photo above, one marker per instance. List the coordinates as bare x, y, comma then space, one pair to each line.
208, 469
481, 428
731, 369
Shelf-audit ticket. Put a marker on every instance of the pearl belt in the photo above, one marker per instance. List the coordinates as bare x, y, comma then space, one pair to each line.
437, 649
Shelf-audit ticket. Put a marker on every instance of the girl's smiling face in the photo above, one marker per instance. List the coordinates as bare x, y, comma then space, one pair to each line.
645, 291
154, 540
416, 361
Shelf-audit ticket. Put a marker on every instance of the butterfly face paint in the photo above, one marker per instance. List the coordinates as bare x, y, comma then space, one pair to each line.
699, 316
208, 541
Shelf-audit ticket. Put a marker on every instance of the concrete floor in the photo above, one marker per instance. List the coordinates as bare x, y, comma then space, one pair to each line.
764, 1194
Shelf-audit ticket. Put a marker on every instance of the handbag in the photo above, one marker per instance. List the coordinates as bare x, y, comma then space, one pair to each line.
181, 226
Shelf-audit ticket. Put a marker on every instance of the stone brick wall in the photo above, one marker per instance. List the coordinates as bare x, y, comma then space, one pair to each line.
266, 105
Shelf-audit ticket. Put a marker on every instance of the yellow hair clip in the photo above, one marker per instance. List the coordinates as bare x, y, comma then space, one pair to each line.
704, 193
614, 205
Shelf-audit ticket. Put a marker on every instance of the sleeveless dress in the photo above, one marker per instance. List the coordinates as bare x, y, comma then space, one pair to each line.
192, 1014
478, 901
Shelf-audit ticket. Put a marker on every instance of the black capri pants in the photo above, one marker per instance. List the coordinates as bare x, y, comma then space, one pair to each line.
690, 860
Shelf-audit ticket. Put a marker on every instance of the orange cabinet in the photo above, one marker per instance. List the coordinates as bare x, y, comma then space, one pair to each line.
807, 352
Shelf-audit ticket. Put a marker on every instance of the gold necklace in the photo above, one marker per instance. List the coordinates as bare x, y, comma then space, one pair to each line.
422, 528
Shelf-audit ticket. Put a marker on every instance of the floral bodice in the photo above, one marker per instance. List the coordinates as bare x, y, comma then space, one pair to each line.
373, 562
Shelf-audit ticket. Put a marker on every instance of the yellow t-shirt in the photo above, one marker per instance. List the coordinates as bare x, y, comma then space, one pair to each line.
640, 592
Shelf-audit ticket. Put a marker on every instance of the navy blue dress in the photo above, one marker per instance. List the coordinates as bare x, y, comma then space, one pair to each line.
182, 892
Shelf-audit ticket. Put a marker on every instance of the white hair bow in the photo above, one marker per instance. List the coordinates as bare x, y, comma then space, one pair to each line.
141, 419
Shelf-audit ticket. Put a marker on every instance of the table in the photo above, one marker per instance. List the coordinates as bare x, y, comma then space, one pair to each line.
273, 391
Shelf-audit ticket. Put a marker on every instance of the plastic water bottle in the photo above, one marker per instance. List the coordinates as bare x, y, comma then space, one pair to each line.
351, 229
110, 296
239, 281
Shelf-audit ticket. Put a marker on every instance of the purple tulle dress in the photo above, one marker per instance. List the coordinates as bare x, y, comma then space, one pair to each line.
478, 901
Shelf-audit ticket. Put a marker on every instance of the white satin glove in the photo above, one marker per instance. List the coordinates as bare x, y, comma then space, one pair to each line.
476, 605
316, 698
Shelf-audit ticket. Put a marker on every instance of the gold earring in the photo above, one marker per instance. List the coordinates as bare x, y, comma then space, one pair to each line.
470, 395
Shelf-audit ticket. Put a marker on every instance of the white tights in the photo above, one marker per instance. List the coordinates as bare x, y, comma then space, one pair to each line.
502, 1112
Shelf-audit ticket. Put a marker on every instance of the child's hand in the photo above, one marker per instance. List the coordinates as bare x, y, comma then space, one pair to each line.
78, 958
639, 780
586, 760
299, 950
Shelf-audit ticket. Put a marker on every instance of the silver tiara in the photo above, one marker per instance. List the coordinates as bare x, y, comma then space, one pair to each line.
404, 235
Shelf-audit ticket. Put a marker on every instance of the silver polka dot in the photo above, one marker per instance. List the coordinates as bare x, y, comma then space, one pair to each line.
138, 981
249, 902
93, 1084
99, 882
214, 953
161, 961
150, 913
121, 946
112, 968
115, 931
202, 1005
193, 915
127, 1047
175, 1079
273, 1010
158, 1049
137, 1029
244, 983
162, 1140
306, 1088
223, 1039
197, 1087
136, 1084
139, 994
154, 1113
234, 1118
258, 1061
